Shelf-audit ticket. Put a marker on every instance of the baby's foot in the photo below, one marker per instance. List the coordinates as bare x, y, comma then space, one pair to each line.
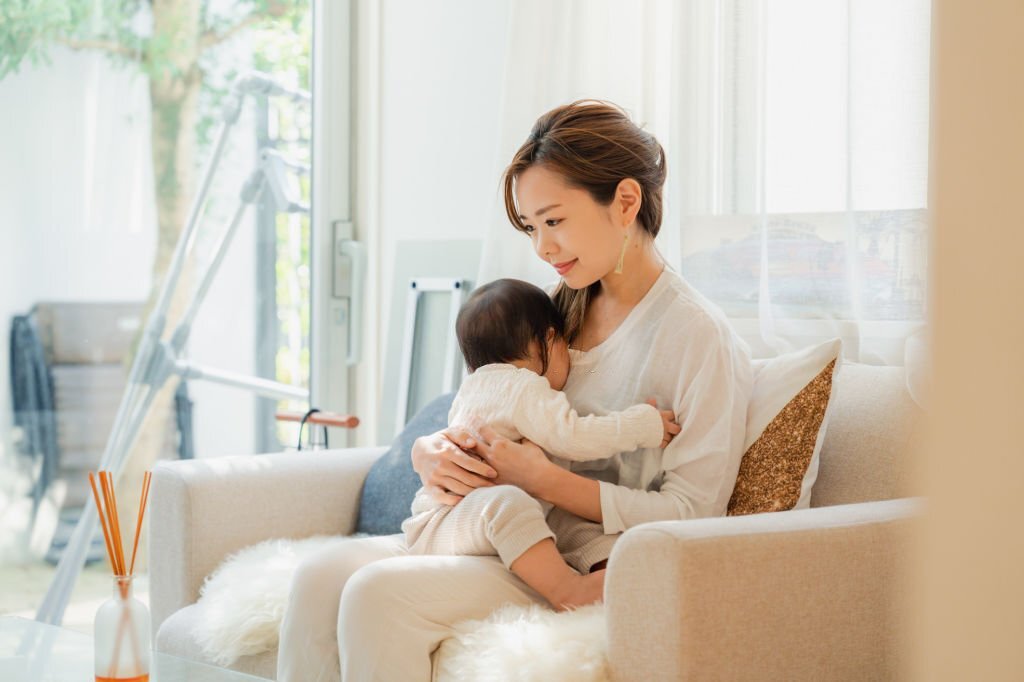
580, 590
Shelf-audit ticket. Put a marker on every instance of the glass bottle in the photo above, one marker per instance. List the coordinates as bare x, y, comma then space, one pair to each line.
121, 636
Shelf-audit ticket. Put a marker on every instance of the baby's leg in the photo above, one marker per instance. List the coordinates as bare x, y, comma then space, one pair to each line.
506, 521
543, 568
499, 520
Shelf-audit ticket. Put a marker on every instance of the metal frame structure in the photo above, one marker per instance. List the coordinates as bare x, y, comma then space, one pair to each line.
452, 357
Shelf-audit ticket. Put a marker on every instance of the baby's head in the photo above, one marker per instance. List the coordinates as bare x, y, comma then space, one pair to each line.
512, 321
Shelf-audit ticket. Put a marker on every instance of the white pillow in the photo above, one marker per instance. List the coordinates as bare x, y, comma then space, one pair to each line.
777, 381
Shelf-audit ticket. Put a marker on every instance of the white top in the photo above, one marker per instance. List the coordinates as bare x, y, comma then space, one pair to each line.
677, 347
519, 403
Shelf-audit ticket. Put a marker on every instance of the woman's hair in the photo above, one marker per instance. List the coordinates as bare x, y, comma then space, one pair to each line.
501, 318
594, 146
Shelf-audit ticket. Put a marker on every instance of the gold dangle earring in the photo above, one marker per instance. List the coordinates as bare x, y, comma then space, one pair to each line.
622, 256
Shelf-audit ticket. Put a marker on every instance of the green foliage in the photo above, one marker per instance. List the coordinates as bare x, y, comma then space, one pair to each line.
129, 34
29, 28
126, 31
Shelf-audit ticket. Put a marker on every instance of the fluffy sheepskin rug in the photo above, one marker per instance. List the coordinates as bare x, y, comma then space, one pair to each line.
527, 644
244, 602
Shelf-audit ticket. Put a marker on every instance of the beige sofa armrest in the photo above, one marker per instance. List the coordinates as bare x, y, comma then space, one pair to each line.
203, 510
804, 594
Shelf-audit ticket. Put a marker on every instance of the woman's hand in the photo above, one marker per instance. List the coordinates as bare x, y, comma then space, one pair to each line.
449, 472
521, 464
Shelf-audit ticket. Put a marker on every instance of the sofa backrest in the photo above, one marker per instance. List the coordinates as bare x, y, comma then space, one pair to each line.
870, 439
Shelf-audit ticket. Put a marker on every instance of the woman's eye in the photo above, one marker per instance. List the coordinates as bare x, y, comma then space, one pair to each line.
551, 222
528, 229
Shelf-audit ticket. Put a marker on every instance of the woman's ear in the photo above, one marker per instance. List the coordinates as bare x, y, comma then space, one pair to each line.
628, 198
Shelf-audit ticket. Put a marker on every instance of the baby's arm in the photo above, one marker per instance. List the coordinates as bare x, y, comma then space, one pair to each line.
545, 416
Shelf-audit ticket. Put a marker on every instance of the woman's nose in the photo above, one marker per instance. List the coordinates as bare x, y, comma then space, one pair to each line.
543, 244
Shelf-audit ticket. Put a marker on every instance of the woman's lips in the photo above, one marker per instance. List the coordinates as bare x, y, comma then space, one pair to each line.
565, 267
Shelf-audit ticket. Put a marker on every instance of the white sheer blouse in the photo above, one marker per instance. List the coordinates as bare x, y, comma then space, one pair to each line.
677, 347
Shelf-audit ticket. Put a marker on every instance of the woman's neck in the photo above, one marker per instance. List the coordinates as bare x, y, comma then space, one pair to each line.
641, 268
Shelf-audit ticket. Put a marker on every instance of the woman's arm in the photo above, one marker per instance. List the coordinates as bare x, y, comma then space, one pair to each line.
447, 471
573, 493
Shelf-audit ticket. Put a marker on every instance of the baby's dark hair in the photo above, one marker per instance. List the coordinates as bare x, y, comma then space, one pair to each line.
501, 318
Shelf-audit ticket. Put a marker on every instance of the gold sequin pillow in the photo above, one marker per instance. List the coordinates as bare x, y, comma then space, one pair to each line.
786, 423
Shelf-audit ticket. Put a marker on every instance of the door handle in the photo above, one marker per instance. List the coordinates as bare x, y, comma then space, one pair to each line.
349, 276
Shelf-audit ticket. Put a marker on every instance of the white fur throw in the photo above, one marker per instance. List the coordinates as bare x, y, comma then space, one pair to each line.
527, 644
244, 601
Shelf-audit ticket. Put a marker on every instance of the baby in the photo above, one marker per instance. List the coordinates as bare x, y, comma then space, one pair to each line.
512, 337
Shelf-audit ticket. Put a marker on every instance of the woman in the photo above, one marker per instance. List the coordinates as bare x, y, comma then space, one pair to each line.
586, 189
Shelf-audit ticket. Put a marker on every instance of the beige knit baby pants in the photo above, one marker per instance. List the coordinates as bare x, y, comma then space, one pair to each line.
504, 520
500, 520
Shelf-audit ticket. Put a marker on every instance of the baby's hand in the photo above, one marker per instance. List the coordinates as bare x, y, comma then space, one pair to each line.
668, 423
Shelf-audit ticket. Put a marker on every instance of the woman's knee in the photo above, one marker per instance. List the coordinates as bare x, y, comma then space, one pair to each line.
372, 586
374, 594
324, 573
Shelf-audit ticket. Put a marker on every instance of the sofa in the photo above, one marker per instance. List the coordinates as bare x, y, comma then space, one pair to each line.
814, 593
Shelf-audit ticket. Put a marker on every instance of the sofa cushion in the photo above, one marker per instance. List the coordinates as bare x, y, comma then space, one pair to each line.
176, 637
786, 423
392, 483
872, 438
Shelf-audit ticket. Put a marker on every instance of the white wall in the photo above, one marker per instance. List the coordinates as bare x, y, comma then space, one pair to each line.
439, 87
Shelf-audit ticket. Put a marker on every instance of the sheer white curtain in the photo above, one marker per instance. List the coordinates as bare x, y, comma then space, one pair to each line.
796, 133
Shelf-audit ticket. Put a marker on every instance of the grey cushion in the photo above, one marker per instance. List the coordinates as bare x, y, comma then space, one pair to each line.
392, 483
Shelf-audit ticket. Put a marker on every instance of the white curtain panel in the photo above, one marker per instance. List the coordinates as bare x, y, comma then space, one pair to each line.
561, 51
797, 141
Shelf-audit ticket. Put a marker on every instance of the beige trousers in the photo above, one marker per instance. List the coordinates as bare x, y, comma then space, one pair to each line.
363, 609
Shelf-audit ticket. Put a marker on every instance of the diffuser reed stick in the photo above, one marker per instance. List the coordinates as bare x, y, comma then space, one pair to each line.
106, 507
103, 521
138, 524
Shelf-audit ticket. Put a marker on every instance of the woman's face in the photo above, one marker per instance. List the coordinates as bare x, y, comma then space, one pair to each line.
569, 230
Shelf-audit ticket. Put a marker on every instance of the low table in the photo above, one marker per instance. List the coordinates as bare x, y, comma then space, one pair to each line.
31, 651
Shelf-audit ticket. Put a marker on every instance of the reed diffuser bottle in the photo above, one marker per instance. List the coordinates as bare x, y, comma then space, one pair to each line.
121, 628
121, 636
